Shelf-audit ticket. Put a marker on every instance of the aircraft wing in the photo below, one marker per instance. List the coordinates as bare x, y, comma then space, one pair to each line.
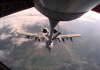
69, 36
11, 6
62, 37
31, 35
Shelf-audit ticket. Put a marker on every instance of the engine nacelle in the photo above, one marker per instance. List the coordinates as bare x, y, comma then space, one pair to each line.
55, 30
45, 30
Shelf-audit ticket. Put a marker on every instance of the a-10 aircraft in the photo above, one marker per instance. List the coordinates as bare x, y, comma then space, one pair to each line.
55, 10
45, 34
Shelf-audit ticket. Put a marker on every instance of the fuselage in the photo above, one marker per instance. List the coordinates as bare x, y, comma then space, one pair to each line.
49, 45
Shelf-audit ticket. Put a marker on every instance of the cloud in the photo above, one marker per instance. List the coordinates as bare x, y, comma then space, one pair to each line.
17, 20
2, 53
90, 16
4, 36
19, 41
93, 14
16, 27
1, 26
40, 45
86, 19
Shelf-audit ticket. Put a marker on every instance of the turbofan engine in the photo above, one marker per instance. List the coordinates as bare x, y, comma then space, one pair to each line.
55, 30
45, 30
